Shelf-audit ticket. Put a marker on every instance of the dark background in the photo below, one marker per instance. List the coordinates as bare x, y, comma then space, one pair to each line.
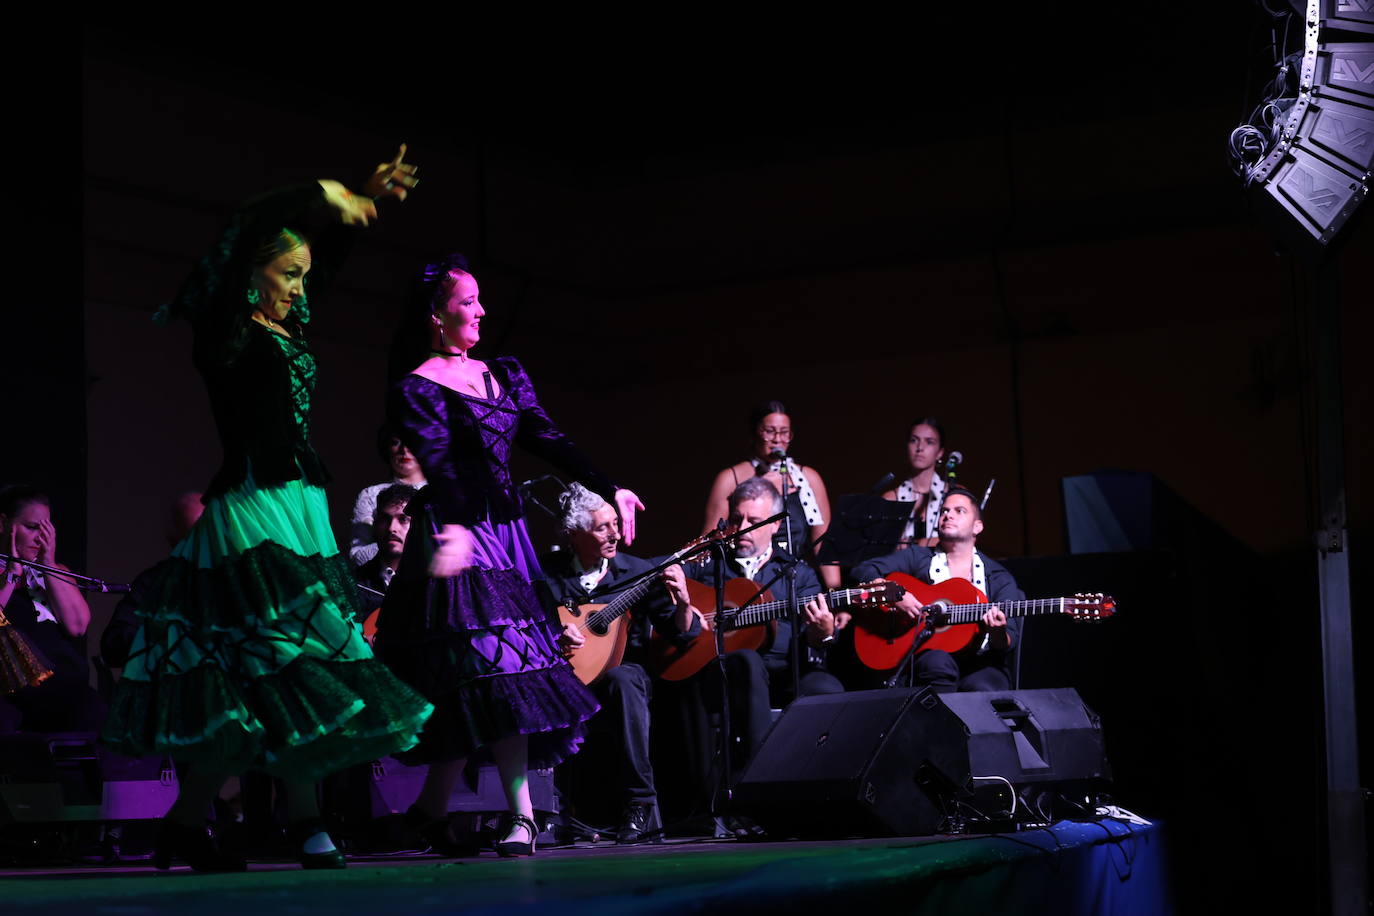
1022, 223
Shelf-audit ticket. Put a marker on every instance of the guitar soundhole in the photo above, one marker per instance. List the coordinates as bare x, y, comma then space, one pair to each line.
597, 626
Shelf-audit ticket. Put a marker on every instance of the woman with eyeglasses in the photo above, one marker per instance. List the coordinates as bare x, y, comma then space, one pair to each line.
808, 505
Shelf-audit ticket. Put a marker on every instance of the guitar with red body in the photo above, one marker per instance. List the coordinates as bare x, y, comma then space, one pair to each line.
949, 621
747, 628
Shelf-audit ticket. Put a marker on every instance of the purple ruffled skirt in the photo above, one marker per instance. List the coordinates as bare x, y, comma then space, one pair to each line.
482, 648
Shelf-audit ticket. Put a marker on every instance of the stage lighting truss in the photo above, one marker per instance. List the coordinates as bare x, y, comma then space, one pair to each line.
1312, 154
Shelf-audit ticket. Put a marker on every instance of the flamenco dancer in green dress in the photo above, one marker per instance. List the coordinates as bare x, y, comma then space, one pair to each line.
248, 657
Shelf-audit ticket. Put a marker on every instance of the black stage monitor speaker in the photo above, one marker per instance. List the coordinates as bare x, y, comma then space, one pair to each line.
908, 762
69, 776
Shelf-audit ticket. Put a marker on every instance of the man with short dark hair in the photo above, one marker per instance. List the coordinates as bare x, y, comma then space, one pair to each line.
390, 525
986, 664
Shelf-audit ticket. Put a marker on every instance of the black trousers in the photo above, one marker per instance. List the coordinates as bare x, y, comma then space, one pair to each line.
757, 684
624, 694
941, 672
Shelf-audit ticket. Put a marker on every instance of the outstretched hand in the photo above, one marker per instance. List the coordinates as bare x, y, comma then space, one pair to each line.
352, 209
392, 179
453, 552
626, 503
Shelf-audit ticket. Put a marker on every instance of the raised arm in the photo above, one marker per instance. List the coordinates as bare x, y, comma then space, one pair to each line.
68, 604
213, 297
538, 435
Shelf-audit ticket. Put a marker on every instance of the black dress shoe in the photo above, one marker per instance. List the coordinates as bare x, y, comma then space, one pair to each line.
745, 828
438, 833
507, 848
636, 826
194, 846
301, 831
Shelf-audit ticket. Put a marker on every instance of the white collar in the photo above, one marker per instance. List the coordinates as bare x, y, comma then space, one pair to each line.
752, 565
590, 577
939, 570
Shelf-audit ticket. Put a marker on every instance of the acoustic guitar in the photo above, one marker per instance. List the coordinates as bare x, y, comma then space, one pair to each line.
604, 626
748, 619
883, 637
604, 629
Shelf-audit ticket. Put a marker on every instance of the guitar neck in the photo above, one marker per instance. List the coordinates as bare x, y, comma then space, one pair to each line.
972, 613
764, 611
621, 604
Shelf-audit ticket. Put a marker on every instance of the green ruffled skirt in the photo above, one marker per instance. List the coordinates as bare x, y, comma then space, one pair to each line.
249, 655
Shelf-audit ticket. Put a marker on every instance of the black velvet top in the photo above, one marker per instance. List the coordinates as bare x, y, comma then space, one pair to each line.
259, 382
65, 653
464, 443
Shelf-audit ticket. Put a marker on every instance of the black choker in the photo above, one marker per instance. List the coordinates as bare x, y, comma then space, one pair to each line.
445, 353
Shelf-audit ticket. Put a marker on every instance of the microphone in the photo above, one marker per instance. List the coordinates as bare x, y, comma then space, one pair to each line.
528, 484
882, 485
952, 463
777, 454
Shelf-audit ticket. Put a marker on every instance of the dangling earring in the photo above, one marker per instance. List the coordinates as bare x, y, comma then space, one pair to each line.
254, 297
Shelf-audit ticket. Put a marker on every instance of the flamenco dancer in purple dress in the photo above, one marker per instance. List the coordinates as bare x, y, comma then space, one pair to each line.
462, 622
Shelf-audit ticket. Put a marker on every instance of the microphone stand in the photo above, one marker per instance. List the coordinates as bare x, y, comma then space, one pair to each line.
89, 583
526, 490
720, 796
794, 615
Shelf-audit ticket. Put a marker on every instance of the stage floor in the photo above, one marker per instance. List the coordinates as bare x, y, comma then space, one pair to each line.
1073, 867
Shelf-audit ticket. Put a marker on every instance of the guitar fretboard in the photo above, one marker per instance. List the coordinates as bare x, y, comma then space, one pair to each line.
600, 621
764, 611
972, 613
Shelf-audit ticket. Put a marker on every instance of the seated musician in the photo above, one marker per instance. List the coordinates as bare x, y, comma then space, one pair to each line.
760, 680
51, 614
390, 524
404, 470
594, 562
986, 663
